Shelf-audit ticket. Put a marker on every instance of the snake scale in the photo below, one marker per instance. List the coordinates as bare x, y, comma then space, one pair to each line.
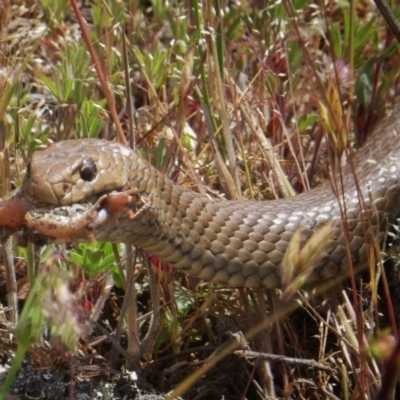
237, 243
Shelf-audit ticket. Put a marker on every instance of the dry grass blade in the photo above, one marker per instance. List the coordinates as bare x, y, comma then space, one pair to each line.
298, 263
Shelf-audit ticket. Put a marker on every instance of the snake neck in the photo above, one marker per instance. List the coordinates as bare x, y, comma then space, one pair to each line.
175, 211
165, 218
243, 243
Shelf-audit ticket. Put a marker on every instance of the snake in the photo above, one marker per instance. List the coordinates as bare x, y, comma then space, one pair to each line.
95, 189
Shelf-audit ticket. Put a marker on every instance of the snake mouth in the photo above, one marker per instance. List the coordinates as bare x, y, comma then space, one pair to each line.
73, 222
68, 223
79, 221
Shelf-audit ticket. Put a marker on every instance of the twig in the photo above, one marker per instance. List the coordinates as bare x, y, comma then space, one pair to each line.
288, 360
155, 317
104, 84
390, 19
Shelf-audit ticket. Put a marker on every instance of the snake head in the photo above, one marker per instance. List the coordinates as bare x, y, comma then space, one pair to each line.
74, 171
73, 187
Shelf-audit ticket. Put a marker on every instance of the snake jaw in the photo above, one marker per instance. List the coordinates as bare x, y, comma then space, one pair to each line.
70, 223
81, 221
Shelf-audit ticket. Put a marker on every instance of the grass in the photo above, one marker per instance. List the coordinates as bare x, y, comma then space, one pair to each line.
230, 99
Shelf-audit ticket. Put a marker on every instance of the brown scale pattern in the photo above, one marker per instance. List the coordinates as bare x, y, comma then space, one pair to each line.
238, 243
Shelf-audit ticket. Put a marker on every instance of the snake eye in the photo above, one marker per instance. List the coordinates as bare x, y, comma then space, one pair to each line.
88, 169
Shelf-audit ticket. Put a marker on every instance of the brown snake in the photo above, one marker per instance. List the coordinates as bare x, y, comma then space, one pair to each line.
238, 243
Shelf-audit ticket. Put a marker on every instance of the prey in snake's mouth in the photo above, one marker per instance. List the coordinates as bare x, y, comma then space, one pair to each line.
69, 222
81, 220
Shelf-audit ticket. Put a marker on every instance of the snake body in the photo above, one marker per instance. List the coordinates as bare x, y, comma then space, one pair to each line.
237, 243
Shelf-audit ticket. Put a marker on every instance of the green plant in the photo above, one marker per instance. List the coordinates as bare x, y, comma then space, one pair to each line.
93, 258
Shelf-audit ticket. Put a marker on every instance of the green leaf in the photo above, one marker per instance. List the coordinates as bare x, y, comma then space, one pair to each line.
306, 121
52, 86
93, 257
336, 40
